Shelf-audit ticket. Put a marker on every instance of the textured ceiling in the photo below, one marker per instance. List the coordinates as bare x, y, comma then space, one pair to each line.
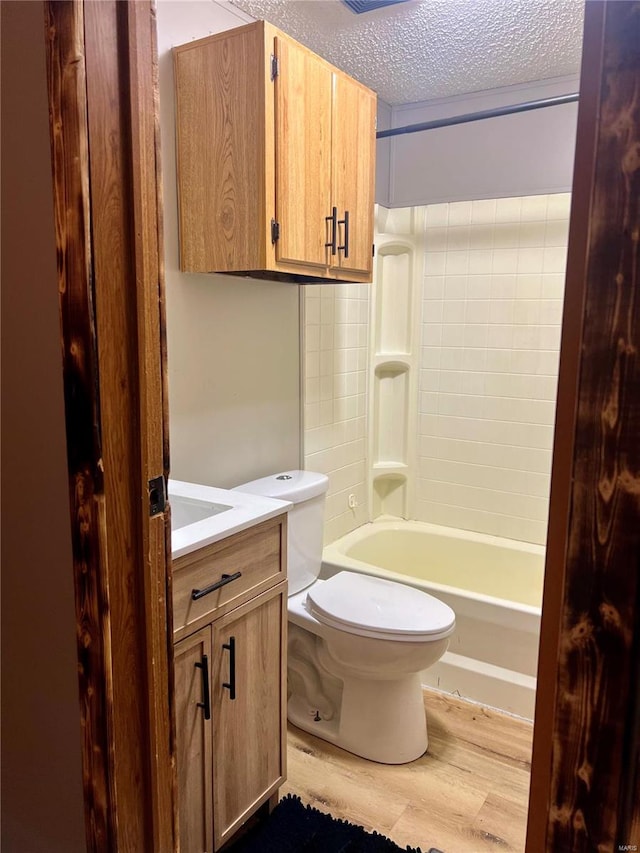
428, 49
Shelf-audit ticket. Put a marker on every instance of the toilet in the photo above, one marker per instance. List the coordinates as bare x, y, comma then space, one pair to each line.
357, 643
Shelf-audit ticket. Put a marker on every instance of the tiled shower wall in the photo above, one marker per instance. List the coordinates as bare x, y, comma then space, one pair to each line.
490, 335
491, 315
335, 322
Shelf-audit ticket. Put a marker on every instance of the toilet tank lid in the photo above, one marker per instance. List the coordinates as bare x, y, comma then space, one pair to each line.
294, 486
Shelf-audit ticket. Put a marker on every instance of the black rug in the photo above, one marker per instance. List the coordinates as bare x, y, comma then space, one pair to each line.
295, 828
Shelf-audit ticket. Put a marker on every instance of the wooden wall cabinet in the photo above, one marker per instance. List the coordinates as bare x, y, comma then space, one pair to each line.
230, 683
276, 160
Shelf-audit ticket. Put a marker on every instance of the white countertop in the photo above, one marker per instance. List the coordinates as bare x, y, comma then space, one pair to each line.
244, 511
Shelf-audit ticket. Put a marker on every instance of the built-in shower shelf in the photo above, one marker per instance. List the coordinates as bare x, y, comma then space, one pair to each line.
390, 467
389, 419
389, 360
389, 493
394, 364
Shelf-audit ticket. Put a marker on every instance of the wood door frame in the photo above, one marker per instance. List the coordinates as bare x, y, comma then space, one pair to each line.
585, 780
102, 78
128, 758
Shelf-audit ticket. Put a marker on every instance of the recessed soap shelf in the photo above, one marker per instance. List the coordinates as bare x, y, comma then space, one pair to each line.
390, 423
391, 366
393, 298
390, 495
398, 467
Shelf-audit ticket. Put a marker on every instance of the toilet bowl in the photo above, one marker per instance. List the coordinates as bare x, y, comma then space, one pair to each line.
357, 644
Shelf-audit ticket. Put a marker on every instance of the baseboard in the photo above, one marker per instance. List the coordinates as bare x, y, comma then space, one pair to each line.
485, 683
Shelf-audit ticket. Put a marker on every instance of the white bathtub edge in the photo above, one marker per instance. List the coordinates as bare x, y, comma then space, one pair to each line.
389, 522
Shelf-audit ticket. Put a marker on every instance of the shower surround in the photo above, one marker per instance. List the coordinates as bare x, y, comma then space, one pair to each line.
459, 355
491, 318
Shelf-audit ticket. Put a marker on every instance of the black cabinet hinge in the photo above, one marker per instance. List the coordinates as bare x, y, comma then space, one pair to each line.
157, 491
373, 250
275, 66
275, 230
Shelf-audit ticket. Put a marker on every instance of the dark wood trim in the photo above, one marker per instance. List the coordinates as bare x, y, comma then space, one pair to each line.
103, 99
564, 439
584, 775
70, 156
153, 406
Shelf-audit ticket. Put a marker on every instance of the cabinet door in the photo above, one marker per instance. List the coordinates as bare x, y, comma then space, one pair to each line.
220, 150
354, 146
193, 742
249, 697
303, 155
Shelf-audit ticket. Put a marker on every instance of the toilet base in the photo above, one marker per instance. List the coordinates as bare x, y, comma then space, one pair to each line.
382, 721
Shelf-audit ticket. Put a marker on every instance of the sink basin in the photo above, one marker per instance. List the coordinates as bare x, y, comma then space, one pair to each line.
201, 515
185, 511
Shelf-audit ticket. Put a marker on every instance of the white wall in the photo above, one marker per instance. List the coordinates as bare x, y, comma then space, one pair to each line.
524, 154
42, 795
383, 155
233, 343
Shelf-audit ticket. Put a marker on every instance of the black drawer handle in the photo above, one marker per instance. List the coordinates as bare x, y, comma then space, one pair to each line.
231, 684
345, 248
333, 219
204, 666
224, 580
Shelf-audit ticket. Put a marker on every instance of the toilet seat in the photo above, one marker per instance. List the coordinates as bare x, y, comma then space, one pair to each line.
375, 607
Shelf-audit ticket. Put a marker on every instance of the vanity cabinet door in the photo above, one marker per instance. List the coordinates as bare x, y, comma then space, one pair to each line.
249, 697
192, 658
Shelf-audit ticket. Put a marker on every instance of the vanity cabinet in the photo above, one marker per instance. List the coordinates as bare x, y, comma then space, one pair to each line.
276, 160
230, 682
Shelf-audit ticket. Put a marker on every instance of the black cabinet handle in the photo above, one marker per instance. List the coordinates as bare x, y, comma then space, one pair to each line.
345, 247
224, 580
333, 219
206, 704
231, 684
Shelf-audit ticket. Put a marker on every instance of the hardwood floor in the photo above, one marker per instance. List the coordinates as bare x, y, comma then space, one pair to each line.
467, 794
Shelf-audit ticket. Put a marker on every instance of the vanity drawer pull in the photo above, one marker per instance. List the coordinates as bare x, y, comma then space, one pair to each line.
224, 580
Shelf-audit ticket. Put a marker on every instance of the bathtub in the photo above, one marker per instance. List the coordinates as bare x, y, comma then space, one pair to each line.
493, 585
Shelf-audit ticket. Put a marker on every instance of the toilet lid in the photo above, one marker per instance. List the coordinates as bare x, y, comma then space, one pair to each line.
374, 607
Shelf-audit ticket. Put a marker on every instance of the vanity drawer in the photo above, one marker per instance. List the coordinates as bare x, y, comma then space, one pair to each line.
252, 560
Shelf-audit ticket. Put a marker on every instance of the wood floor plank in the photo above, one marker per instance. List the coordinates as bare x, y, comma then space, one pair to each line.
425, 829
493, 731
467, 794
339, 783
491, 748
510, 816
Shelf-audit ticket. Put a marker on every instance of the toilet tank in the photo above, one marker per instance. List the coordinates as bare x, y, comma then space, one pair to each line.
306, 490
